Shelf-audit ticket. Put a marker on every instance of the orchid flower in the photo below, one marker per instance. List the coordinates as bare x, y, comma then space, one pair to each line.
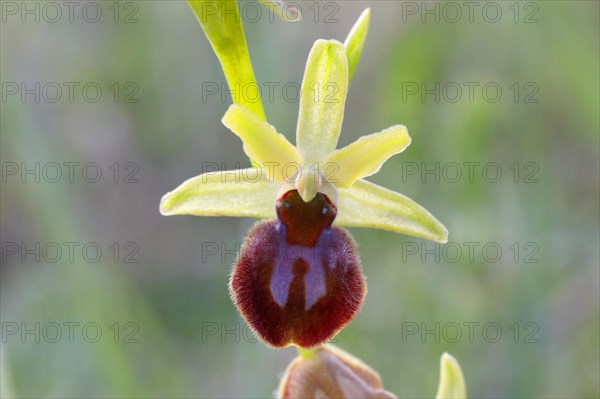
314, 166
298, 279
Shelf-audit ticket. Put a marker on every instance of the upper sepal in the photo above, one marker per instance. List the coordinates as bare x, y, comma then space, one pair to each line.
322, 100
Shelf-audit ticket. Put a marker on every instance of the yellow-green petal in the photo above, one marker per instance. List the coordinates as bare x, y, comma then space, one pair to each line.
322, 100
366, 204
365, 156
269, 149
452, 381
242, 192
356, 40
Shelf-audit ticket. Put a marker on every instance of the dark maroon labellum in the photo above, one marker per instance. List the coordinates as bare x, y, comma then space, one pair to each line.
298, 279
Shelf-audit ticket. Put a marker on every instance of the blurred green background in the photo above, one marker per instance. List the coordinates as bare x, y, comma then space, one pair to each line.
528, 317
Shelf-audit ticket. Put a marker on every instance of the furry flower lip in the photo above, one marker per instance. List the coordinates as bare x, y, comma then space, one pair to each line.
298, 279
305, 298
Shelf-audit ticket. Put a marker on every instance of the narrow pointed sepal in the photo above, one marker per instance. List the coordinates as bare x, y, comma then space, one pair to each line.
322, 100
366, 204
365, 156
243, 192
270, 150
452, 382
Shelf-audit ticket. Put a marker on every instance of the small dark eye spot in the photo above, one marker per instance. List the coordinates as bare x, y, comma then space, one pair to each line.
286, 204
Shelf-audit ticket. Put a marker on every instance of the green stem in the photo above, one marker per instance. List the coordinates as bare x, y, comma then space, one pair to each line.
307, 353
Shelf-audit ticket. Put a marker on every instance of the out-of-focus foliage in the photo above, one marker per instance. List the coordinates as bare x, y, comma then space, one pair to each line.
191, 341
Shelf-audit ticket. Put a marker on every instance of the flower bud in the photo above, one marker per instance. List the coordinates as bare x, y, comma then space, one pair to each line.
298, 279
452, 381
329, 372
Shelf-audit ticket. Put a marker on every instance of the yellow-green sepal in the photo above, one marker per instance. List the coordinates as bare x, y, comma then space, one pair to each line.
322, 100
243, 192
366, 204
